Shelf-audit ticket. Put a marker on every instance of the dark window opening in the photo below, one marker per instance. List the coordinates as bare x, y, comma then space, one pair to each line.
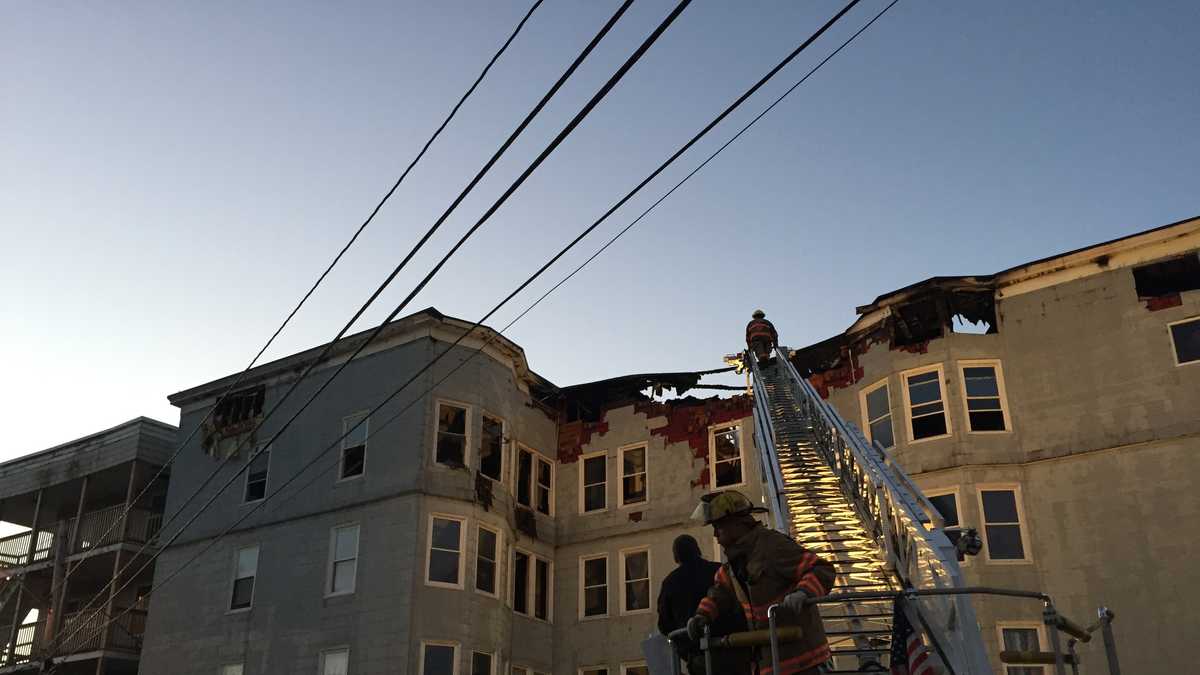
524, 477
521, 583
238, 407
439, 660
1185, 336
595, 475
926, 409
1168, 277
917, 322
544, 484
541, 590
256, 477
491, 448
451, 435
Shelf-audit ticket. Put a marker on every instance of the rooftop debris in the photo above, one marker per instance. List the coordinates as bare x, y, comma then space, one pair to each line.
1161, 284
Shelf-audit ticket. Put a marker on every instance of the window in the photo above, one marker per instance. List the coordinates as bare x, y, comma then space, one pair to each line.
439, 658
444, 566
1024, 638
638, 668
593, 478
725, 456
238, 409
635, 578
482, 663
593, 584
877, 415
520, 587
926, 409
491, 448
946, 504
1185, 338
532, 592
245, 567
451, 435
343, 561
541, 589
535, 481
1002, 524
354, 446
633, 475
335, 662
487, 553
232, 669
983, 391
256, 477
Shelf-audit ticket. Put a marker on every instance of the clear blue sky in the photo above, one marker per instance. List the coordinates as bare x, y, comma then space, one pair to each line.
175, 174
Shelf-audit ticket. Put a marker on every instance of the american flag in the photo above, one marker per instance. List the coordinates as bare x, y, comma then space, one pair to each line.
910, 656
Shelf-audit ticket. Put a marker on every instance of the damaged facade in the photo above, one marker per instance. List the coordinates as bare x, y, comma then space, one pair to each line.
496, 524
1065, 429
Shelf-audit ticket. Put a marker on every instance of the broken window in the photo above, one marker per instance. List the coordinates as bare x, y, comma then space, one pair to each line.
535, 480
491, 447
877, 408
541, 589
985, 401
633, 475
595, 482
354, 446
917, 322
1168, 277
238, 408
545, 481
926, 409
451, 435
725, 449
256, 477
1185, 337
524, 477
520, 600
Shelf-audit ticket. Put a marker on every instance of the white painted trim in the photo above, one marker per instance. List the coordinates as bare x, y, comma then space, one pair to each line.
1041, 636
623, 554
467, 435
958, 505
607, 587
531, 586
533, 478
1003, 393
1022, 522
366, 443
1174, 348
866, 415
233, 577
329, 592
645, 447
908, 428
266, 483
331, 650
712, 454
583, 486
462, 553
499, 580
504, 454
438, 643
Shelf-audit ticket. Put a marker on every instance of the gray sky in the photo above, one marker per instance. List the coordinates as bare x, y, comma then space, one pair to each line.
175, 174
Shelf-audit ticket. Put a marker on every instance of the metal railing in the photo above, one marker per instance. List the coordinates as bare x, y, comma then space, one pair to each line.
84, 631
890, 506
96, 529
26, 644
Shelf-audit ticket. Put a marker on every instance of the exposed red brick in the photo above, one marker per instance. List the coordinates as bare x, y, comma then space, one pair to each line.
1164, 302
572, 436
689, 420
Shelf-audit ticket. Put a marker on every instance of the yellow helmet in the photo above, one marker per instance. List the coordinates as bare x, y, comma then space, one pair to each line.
718, 505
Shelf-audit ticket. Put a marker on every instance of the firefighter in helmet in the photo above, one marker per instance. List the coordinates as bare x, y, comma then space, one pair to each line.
761, 337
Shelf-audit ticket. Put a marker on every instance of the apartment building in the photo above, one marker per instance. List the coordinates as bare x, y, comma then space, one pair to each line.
80, 515
484, 521
1055, 407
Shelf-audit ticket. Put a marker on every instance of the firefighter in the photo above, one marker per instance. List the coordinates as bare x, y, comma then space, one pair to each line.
765, 568
761, 337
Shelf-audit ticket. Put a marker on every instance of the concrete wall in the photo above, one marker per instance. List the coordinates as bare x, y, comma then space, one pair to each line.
1104, 446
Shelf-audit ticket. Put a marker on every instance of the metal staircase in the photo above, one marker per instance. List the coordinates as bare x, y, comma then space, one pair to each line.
847, 501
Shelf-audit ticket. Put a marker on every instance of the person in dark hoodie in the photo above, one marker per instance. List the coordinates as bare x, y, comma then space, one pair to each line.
680, 595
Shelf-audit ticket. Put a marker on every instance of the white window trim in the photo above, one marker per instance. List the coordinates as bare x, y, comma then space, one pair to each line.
504, 454
866, 415
531, 586
492, 655
467, 429
582, 485
1174, 349
607, 587
438, 643
1023, 521
624, 553
958, 503
712, 454
645, 447
631, 664
342, 449
1042, 642
266, 483
233, 577
462, 552
330, 650
533, 479
329, 592
1003, 393
908, 428
499, 561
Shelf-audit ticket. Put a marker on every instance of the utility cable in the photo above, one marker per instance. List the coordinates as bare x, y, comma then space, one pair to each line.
562, 135
214, 540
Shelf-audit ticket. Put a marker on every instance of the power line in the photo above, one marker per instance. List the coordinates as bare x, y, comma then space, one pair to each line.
213, 541
238, 380
562, 135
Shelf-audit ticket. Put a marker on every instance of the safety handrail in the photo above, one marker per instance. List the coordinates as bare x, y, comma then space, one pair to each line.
764, 440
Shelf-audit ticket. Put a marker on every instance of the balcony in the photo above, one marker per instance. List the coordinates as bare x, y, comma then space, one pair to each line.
96, 529
82, 631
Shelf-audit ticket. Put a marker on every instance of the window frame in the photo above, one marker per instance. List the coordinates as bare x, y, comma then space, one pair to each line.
453, 645
958, 504
1174, 348
365, 414
462, 553
583, 559
504, 454
632, 664
330, 650
866, 413
712, 454
332, 561
583, 485
908, 418
533, 479
645, 448
237, 552
467, 435
499, 557
1022, 523
531, 586
1002, 393
622, 555
266, 478
1024, 625
492, 661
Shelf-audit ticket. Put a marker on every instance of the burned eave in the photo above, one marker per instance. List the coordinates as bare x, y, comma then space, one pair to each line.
589, 400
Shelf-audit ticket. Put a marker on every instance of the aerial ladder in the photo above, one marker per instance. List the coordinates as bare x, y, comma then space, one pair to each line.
849, 501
